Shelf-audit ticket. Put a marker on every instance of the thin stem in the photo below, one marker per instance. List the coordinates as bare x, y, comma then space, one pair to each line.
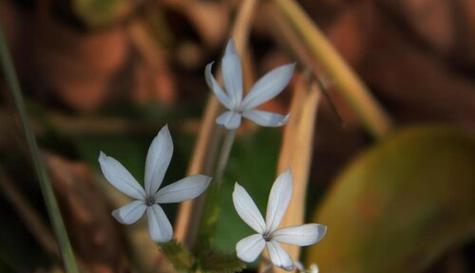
211, 209
224, 156
45, 185
266, 265
189, 214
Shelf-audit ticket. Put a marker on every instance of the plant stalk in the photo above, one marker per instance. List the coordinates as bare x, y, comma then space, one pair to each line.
52, 207
211, 209
346, 81
224, 156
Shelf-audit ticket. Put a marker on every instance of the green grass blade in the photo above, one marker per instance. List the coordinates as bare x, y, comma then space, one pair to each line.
45, 185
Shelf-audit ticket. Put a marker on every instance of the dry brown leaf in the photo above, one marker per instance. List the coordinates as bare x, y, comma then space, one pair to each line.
210, 18
94, 234
76, 66
153, 80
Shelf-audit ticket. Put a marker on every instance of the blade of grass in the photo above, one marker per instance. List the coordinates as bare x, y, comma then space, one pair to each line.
45, 185
345, 80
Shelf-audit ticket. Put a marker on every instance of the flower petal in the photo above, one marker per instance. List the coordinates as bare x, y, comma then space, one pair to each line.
232, 74
218, 91
247, 209
249, 248
230, 120
279, 199
120, 177
267, 119
159, 226
314, 268
184, 189
279, 256
303, 235
158, 158
130, 213
267, 87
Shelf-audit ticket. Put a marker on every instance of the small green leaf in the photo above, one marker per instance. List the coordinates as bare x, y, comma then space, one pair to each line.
178, 256
218, 262
98, 13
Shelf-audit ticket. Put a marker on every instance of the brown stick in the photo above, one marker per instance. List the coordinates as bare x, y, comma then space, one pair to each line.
343, 77
296, 154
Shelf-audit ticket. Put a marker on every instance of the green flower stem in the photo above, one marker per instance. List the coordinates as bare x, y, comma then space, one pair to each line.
211, 208
224, 156
45, 185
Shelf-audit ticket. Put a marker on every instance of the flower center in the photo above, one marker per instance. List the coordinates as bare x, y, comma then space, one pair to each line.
267, 236
149, 201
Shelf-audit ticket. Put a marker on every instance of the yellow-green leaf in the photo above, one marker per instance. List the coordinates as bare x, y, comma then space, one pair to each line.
401, 204
98, 13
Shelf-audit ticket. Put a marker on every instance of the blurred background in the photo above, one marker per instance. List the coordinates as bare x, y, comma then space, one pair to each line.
107, 74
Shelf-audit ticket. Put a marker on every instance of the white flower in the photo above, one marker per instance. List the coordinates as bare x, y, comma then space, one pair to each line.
268, 234
314, 268
147, 199
269, 86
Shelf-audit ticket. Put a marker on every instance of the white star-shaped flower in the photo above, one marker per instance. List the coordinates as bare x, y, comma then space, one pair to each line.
148, 198
268, 234
266, 88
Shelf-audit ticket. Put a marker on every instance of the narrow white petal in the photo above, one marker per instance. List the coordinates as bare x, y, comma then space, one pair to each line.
267, 119
120, 177
249, 248
230, 120
279, 199
279, 256
159, 226
269, 86
130, 213
303, 235
247, 209
218, 91
230, 47
184, 189
158, 158
232, 74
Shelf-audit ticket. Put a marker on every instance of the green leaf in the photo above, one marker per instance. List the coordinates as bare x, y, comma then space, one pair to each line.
218, 262
211, 262
178, 256
400, 205
98, 13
